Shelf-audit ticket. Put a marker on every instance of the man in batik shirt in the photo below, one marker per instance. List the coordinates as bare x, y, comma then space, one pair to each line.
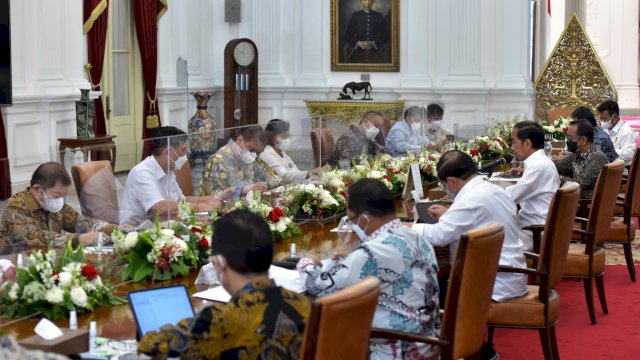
584, 161
38, 215
238, 162
404, 262
261, 321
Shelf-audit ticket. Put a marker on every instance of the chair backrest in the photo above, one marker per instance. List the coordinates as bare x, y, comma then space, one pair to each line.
322, 145
384, 131
632, 192
553, 114
604, 200
470, 287
340, 323
184, 179
558, 231
95, 186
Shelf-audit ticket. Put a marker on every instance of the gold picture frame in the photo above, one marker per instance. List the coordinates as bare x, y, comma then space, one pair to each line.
365, 41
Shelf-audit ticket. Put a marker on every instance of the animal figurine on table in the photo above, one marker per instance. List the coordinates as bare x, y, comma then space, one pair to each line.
358, 86
342, 96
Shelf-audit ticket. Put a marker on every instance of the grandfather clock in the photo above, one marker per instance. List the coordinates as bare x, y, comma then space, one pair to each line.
240, 83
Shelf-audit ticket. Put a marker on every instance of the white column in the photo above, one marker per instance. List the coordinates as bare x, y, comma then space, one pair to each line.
579, 7
613, 28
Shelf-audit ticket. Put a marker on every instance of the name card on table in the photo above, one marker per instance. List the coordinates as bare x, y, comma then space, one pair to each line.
413, 186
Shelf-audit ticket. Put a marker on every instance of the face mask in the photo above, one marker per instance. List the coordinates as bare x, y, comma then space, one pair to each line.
372, 132
221, 266
248, 156
179, 163
284, 144
436, 124
416, 127
450, 193
359, 231
572, 146
52, 205
605, 124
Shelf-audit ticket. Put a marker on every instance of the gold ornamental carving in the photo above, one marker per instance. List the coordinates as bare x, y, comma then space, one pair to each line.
573, 74
349, 112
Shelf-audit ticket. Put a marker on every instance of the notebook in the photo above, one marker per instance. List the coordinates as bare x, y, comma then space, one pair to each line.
423, 214
149, 307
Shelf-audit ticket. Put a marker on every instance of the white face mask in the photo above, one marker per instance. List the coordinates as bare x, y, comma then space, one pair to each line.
284, 144
179, 163
52, 205
416, 127
606, 124
372, 132
436, 124
220, 268
248, 156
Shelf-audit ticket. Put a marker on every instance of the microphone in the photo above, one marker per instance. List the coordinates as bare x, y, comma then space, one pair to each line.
506, 159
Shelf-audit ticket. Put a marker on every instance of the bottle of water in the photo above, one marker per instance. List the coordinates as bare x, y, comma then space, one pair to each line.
547, 148
93, 334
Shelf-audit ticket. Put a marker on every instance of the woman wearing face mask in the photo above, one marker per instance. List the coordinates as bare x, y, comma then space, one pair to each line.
238, 163
275, 154
359, 140
404, 263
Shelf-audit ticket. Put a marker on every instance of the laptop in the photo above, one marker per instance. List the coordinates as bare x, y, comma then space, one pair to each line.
154, 308
423, 214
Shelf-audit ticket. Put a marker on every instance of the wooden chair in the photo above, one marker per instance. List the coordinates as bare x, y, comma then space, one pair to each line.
185, 179
624, 232
552, 115
539, 308
586, 259
339, 324
322, 145
468, 296
95, 186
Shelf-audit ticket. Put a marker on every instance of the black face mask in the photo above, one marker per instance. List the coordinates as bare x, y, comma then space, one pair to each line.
572, 146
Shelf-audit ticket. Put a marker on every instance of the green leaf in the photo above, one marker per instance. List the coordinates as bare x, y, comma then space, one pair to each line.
126, 273
142, 272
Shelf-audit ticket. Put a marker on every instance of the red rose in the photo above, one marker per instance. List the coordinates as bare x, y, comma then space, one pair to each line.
474, 152
204, 242
89, 272
387, 177
54, 274
196, 229
278, 211
565, 129
273, 216
344, 194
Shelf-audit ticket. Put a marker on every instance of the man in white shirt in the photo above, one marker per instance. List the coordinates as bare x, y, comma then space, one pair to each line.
434, 130
539, 181
151, 188
622, 135
406, 135
476, 203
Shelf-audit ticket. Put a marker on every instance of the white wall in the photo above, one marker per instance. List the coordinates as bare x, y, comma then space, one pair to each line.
471, 56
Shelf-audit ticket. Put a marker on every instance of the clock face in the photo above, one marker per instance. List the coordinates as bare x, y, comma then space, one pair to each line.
243, 53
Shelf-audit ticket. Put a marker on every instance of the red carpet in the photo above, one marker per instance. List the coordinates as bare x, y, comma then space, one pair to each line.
616, 336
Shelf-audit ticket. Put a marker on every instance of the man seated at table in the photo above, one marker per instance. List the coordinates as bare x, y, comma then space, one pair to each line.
600, 138
38, 215
622, 135
359, 140
238, 162
584, 161
538, 182
151, 189
404, 263
261, 320
406, 135
476, 203
434, 131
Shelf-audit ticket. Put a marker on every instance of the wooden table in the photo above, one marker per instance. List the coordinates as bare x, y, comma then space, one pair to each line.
118, 322
103, 145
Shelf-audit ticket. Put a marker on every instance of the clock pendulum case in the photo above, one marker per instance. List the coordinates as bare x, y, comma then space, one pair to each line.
240, 83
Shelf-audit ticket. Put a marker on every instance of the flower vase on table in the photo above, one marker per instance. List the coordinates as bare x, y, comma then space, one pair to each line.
202, 126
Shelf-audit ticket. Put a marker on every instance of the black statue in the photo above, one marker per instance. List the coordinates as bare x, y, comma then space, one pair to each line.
342, 96
358, 86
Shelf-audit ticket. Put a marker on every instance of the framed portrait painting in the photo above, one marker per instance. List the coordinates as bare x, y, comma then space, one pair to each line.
365, 35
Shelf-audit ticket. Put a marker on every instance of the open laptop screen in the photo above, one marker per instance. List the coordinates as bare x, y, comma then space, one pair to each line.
154, 308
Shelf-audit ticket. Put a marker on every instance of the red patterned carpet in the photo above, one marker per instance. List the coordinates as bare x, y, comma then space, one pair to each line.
616, 336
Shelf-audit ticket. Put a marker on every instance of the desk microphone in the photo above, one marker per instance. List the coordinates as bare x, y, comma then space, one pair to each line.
506, 159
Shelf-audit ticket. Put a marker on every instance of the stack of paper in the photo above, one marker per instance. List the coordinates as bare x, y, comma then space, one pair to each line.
288, 279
